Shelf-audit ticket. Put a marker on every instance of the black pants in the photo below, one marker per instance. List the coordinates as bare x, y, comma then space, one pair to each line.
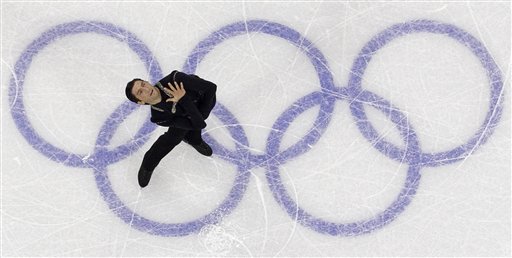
166, 142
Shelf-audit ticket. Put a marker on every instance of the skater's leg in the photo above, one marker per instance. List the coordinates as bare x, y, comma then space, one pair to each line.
194, 138
163, 145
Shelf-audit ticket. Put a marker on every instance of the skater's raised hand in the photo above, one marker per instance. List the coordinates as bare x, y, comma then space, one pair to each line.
177, 91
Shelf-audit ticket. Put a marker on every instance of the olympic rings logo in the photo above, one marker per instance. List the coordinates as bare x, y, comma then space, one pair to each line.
325, 97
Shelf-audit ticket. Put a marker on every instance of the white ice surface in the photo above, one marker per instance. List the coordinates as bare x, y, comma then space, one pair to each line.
73, 85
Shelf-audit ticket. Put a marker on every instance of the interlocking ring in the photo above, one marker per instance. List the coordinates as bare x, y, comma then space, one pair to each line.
475, 46
272, 159
107, 131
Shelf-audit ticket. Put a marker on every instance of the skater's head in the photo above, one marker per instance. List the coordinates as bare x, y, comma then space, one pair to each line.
142, 92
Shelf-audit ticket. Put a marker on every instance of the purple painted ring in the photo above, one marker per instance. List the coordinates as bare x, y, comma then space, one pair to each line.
293, 37
18, 109
171, 229
194, 226
477, 48
405, 196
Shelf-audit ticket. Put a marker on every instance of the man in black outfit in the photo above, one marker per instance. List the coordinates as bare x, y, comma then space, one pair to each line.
179, 101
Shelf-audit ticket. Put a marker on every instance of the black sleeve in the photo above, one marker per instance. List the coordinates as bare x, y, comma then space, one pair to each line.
160, 118
166, 123
195, 119
208, 102
191, 121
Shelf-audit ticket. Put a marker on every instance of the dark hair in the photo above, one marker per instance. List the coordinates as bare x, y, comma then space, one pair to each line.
128, 91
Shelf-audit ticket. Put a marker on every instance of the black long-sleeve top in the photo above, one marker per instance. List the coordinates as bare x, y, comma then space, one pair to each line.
192, 109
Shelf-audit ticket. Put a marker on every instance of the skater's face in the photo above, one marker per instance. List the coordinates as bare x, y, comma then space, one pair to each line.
146, 93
